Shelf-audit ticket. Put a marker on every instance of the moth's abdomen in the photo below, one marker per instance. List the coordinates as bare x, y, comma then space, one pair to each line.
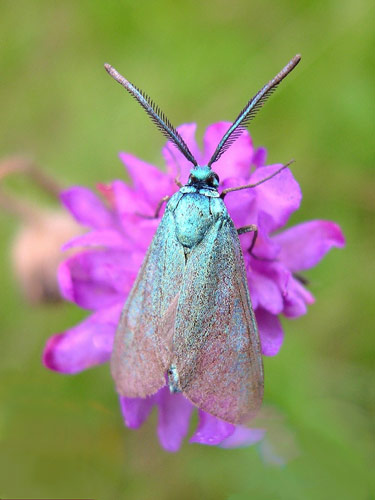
193, 217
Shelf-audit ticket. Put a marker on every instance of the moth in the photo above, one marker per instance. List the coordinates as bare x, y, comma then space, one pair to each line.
188, 320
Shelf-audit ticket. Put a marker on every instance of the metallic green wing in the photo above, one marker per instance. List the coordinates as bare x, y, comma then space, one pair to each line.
142, 346
217, 356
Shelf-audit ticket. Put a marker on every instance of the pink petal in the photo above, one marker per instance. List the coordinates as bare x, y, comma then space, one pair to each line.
85, 345
97, 279
211, 430
243, 436
86, 207
174, 417
106, 192
132, 212
304, 245
140, 233
268, 282
100, 238
260, 157
129, 201
296, 299
177, 164
148, 181
267, 278
241, 204
265, 247
136, 410
267, 292
236, 161
270, 331
278, 197
265, 251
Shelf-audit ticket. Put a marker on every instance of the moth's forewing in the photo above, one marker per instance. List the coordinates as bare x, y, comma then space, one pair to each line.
142, 346
216, 343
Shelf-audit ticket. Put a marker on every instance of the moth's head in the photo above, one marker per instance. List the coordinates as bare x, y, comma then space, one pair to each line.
203, 177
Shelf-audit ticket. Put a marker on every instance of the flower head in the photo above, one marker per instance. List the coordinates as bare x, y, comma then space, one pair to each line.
100, 275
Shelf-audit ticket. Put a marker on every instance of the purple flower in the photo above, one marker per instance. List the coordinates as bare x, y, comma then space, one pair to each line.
100, 275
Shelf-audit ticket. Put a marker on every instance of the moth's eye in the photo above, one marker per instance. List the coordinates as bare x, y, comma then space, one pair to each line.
213, 180
192, 179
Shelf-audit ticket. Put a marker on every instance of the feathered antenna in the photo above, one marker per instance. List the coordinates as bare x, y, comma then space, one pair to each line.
250, 110
154, 112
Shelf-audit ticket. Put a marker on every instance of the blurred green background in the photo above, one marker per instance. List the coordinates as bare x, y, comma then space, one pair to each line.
61, 436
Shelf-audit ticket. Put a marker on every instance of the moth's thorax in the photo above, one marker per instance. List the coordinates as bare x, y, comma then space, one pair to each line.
194, 213
200, 189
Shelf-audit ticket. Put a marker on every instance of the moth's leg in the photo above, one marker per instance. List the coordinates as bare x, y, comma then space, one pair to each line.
160, 204
238, 188
249, 229
178, 182
157, 211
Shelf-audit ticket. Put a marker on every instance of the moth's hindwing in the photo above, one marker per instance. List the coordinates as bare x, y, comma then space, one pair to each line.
216, 344
142, 346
